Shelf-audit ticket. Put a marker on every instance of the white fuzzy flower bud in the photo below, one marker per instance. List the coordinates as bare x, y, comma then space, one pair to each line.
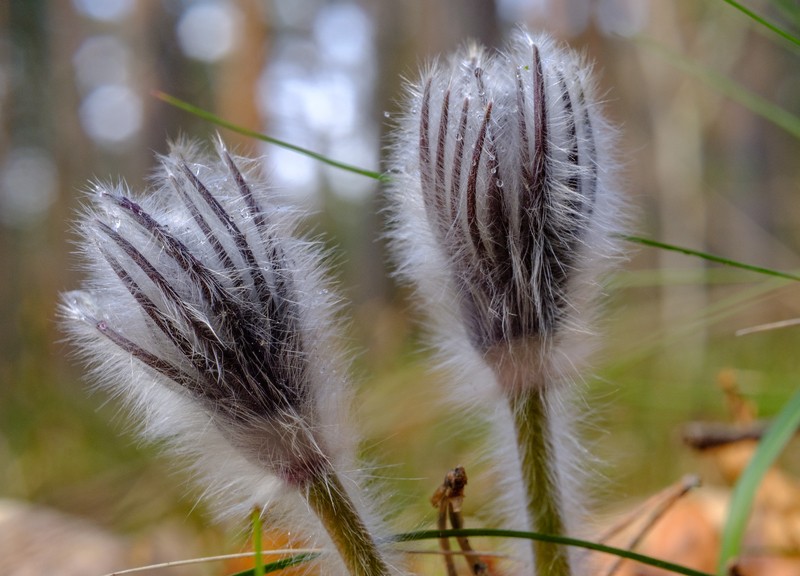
207, 314
502, 180
505, 209
203, 282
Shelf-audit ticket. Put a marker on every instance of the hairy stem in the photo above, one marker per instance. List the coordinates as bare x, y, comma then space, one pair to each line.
537, 457
338, 514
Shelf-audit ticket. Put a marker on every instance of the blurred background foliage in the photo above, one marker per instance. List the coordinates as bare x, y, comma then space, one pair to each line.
76, 79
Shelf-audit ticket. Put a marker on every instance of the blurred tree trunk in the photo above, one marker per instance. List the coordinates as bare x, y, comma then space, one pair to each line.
411, 33
677, 148
237, 76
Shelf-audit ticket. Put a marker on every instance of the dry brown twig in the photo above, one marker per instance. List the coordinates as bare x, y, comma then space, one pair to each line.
449, 498
655, 507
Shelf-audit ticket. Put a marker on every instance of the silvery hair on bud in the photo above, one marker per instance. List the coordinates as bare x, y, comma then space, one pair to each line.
212, 320
505, 208
503, 189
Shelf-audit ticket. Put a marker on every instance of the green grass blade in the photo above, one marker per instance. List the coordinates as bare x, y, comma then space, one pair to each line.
762, 21
712, 258
214, 119
781, 430
563, 540
257, 547
730, 89
281, 564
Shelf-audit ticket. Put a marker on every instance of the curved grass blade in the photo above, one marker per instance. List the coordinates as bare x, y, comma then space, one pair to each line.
214, 119
563, 540
281, 564
712, 258
782, 429
728, 88
205, 560
764, 22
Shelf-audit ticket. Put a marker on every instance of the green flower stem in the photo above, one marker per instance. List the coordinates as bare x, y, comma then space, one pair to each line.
338, 514
537, 456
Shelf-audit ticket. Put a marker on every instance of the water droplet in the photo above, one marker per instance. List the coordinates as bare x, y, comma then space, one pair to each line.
494, 170
387, 115
459, 137
499, 183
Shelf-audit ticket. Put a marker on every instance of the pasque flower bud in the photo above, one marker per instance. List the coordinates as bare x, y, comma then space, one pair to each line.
206, 313
505, 209
502, 177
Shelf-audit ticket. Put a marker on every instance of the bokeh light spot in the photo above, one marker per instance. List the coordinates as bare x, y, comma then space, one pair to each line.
622, 17
343, 34
111, 114
28, 185
207, 31
104, 10
101, 60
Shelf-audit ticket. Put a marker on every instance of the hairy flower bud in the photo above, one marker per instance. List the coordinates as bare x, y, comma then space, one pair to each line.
505, 209
212, 319
502, 179
205, 286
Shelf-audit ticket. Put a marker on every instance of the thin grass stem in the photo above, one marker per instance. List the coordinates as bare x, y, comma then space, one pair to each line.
764, 22
307, 553
282, 564
562, 540
711, 257
214, 119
